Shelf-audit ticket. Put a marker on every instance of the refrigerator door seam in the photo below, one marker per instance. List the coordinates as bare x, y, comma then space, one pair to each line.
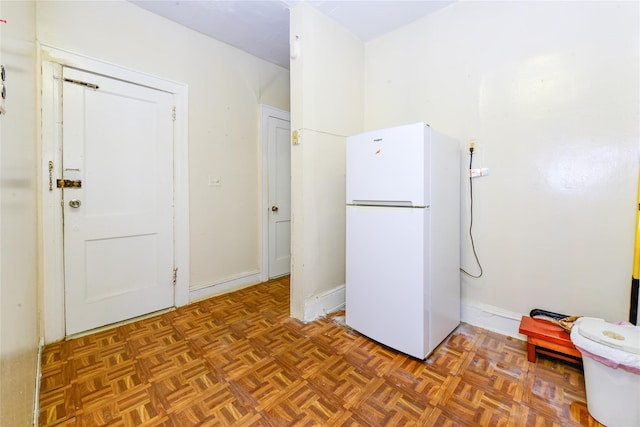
386, 204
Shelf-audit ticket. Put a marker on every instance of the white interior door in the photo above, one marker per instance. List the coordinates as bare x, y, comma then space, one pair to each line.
118, 226
279, 154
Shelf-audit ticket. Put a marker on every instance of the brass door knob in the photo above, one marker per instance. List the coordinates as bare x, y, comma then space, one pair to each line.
274, 209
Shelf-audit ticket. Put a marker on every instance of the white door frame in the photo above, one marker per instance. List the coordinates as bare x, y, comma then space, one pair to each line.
267, 111
52, 277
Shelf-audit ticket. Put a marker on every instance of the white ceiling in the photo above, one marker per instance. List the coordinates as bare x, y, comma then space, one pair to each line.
261, 27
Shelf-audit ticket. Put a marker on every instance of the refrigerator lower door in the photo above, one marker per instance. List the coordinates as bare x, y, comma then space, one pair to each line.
386, 276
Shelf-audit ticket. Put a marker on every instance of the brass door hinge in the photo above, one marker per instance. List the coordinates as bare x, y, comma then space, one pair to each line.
175, 276
50, 175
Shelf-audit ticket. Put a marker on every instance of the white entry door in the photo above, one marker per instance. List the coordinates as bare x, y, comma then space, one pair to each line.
279, 154
118, 225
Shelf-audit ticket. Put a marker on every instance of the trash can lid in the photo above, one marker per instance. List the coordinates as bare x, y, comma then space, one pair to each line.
616, 336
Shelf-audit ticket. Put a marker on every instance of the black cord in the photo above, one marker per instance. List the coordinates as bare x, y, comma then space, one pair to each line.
473, 245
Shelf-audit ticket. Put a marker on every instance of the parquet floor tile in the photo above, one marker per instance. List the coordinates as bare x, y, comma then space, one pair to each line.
239, 360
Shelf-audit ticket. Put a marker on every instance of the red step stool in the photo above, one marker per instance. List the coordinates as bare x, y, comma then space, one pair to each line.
548, 338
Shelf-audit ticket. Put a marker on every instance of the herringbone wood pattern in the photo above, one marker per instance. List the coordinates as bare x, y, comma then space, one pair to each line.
239, 360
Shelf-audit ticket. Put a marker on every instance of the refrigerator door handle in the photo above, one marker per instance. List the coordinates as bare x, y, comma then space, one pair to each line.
392, 203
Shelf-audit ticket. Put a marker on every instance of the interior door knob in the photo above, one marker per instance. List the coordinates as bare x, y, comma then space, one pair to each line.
75, 203
274, 209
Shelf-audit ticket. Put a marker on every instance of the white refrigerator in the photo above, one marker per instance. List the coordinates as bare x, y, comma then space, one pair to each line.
403, 237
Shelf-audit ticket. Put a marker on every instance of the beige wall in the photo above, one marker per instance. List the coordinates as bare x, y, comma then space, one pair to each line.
326, 97
19, 324
550, 91
226, 87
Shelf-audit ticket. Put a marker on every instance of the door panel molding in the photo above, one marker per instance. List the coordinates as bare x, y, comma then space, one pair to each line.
266, 111
52, 60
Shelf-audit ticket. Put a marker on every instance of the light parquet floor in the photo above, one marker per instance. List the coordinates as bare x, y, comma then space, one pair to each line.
239, 360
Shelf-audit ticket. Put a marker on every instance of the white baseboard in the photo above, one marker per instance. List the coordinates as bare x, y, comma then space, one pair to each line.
325, 303
481, 315
493, 319
36, 395
223, 287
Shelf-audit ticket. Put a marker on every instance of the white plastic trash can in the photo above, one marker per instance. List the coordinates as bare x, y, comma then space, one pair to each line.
611, 359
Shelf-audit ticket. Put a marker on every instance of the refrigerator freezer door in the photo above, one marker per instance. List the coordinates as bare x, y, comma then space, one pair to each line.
385, 275
388, 165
